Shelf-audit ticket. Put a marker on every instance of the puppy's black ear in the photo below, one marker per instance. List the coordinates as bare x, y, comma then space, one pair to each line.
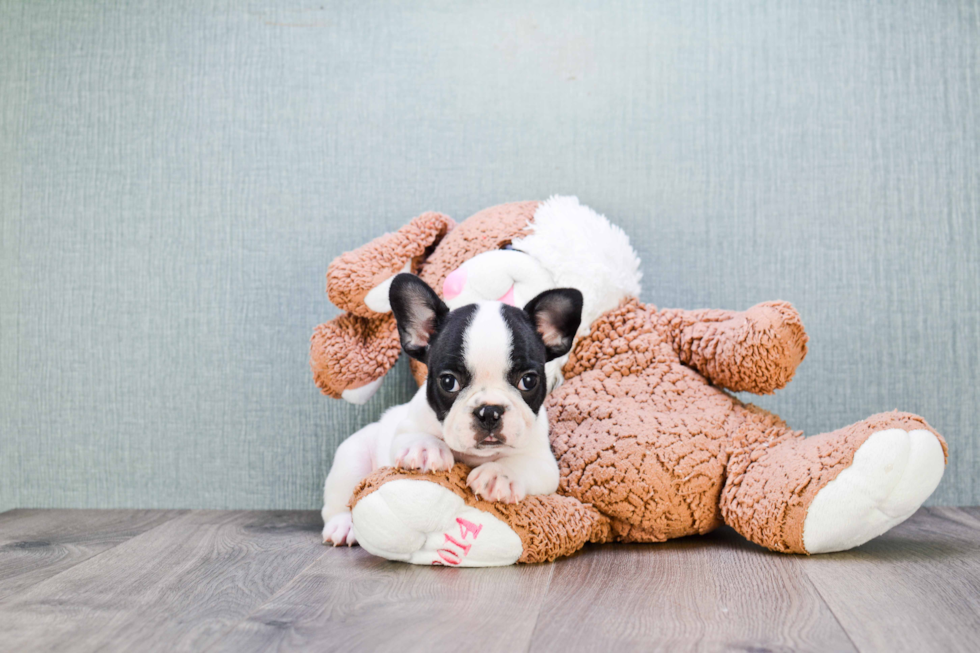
418, 312
556, 314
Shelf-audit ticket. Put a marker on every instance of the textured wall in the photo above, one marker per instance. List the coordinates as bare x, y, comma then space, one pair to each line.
177, 176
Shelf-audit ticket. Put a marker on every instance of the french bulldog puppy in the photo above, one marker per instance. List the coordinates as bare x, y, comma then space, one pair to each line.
481, 404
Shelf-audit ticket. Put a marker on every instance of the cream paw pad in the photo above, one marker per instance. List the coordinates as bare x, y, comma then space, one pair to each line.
892, 474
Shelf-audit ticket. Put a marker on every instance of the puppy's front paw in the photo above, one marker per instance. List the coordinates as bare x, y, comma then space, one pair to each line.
494, 482
426, 455
339, 530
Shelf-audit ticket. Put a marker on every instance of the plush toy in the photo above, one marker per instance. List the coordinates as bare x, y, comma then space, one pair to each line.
649, 443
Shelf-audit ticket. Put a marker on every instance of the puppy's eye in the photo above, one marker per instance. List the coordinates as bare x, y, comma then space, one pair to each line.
528, 382
449, 383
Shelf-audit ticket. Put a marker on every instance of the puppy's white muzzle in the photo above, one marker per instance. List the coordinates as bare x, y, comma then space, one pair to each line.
488, 411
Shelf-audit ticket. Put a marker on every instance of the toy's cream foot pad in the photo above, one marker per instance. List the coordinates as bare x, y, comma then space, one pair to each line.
424, 523
892, 474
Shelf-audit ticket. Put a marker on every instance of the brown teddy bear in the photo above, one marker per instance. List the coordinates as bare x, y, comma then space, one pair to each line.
649, 443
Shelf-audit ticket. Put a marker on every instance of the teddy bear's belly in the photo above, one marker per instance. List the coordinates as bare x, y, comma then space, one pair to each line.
651, 456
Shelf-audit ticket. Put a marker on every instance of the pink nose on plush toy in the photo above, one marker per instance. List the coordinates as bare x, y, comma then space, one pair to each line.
508, 297
453, 285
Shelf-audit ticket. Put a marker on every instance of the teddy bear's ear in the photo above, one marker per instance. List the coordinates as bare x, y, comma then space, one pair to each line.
358, 281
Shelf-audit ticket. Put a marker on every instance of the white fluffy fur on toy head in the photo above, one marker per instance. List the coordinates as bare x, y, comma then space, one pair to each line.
582, 249
569, 246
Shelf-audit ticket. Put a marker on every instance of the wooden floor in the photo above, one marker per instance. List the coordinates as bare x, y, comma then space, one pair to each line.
254, 581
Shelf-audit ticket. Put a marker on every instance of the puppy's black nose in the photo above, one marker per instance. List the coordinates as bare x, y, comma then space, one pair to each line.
488, 417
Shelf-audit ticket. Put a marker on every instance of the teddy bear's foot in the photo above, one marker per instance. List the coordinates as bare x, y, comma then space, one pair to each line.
891, 475
424, 523
832, 491
435, 519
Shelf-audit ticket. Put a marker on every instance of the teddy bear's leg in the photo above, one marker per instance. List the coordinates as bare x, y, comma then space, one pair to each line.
833, 491
434, 519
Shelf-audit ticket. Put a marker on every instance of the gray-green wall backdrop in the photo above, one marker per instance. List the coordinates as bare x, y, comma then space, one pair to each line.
176, 177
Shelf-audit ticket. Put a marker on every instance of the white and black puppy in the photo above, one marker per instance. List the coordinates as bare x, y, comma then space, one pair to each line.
482, 403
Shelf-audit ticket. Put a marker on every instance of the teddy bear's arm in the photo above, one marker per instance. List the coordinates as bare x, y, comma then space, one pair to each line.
352, 276
350, 355
756, 351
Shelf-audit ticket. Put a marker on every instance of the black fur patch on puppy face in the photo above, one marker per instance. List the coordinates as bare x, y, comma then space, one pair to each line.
528, 355
447, 359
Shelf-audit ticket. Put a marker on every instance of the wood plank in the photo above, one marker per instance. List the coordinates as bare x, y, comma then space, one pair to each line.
915, 588
256, 581
37, 544
714, 592
349, 600
175, 588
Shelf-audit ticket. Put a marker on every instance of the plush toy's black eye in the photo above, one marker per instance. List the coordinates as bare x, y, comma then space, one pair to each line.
528, 382
449, 383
